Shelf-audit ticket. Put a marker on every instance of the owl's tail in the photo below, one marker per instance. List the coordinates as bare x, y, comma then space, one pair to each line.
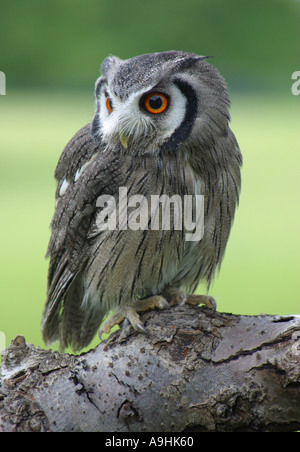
73, 318
80, 319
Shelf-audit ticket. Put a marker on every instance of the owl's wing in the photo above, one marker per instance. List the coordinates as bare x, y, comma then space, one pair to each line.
84, 172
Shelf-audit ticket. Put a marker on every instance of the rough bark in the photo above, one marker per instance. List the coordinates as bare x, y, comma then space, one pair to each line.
193, 371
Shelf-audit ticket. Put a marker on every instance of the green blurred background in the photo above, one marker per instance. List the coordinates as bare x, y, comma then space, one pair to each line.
51, 52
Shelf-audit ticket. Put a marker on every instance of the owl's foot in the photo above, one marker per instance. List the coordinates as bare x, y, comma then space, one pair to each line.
181, 298
195, 300
131, 314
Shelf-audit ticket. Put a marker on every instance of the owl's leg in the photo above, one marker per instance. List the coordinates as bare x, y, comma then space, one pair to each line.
176, 296
130, 312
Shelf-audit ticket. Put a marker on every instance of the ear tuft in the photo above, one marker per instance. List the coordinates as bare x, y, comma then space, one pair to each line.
189, 61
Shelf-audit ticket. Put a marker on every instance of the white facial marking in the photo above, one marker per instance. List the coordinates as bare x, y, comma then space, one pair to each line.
128, 118
175, 113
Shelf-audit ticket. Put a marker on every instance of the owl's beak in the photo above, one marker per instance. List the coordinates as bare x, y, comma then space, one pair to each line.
123, 139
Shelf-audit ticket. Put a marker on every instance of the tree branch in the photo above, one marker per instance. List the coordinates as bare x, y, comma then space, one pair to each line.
194, 371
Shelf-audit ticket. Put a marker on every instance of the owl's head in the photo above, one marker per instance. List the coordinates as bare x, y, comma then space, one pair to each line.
159, 101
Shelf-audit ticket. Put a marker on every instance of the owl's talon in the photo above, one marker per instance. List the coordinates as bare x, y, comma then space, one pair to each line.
104, 329
212, 304
134, 319
162, 303
114, 320
140, 328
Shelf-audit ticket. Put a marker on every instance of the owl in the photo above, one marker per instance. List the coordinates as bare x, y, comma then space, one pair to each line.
160, 130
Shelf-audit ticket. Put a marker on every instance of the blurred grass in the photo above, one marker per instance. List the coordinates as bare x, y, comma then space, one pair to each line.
260, 272
255, 43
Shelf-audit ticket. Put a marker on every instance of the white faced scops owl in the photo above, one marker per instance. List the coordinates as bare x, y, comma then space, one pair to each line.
157, 157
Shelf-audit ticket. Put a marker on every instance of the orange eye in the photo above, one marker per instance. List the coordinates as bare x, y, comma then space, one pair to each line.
108, 105
156, 103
